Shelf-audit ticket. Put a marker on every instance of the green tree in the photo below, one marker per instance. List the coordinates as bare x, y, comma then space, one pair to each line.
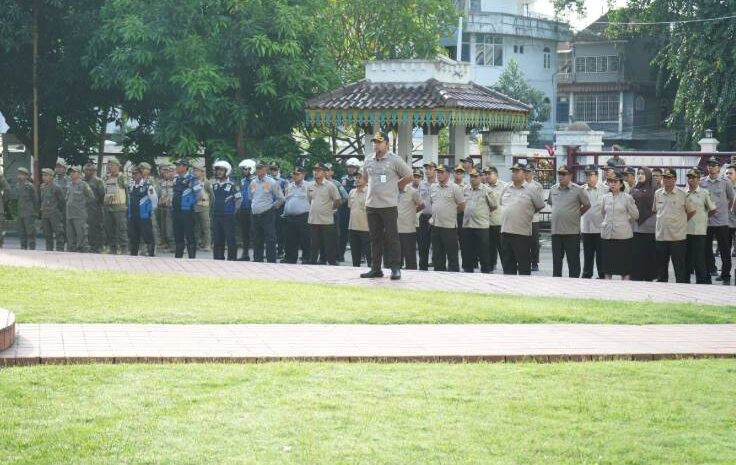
512, 83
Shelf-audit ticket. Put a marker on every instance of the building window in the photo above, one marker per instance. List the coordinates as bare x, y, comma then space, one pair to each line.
596, 107
602, 64
488, 50
613, 63
518, 49
580, 64
547, 58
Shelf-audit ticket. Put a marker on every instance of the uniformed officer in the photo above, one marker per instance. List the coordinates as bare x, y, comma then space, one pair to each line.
226, 197
410, 203
352, 165
266, 198
95, 220
324, 199
27, 205
536, 218
731, 175
245, 213
673, 212
520, 201
143, 203
629, 179
459, 179
4, 190
619, 212
468, 166
163, 212
386, 175
424, 234
187, 190
296, 214
202, 225
447, 201
53, 205
329, 176
274, 171
480, 203
494, 244
360, 241
722, 194
61, 178
657, 176
697, 226
77, 196
116, 208
590, 224
569, 202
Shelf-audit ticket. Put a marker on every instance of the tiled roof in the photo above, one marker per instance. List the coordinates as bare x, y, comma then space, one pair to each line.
431, 94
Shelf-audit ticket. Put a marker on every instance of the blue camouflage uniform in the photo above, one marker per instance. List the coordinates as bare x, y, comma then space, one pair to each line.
187, 190
225, 199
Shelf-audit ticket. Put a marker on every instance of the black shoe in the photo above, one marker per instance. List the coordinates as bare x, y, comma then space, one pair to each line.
726, 281
244, 258
535, 267
719, 279
395, 274
372, 274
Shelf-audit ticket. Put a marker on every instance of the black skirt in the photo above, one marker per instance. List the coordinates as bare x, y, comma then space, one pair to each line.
644, 257
617, 256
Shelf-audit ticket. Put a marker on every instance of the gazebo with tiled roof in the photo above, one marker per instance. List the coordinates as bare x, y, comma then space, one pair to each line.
405, 94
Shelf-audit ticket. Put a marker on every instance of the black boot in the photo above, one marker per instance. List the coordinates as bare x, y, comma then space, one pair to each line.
192, 250
151, 250
372, 274
395, 273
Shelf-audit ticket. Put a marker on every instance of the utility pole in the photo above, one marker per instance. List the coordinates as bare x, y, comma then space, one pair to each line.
36, 168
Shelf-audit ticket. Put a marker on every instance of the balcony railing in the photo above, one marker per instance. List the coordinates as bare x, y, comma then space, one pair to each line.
517, 25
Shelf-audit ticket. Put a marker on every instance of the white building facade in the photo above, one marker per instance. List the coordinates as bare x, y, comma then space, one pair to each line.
494, 32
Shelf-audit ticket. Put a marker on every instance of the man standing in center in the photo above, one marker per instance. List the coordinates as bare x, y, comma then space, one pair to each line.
266, 198
480, 202
386, 175
569, 202
95, 220
520, 201
187, 190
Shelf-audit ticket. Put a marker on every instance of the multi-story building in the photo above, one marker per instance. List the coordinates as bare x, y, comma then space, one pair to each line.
611, 86
494, 32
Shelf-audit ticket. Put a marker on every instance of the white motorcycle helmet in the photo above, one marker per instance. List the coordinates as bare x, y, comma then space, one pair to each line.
248, 164
222, 164
353, 162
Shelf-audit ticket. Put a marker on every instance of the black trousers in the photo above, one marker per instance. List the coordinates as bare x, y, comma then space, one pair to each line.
280, 225
566, 245
695, 259
263, 231
494, 237
592, 253
140, 229
296, 237
360, 246
424, 239
444, 249
408, 244
677, 251
244, 220
721, 234
184, 231
384, 234
223, 234
476, 248
343, 215
534, 245
515, 254
323, 236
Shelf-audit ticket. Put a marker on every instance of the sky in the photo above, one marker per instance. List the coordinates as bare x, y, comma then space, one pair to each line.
594, 9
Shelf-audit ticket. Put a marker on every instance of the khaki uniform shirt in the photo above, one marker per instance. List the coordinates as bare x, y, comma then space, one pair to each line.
618, 212
590, 222
203, 203
496, 215
383, 178
358, 216
519, 205
445, 199
116, 189
77, 196
479, 203
167, 193
671, 209
425, 189
27, 199
721, 192
53, 203
540, 190
408, 219
566, 203
701, 202
321, 202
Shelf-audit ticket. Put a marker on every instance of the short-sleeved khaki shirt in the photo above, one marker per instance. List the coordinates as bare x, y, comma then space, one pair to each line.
358, 216
407, 219
519, 205
321, 202
496, 214
671, 209
445, 199
383, 176
479, 203
701, 202
566, 203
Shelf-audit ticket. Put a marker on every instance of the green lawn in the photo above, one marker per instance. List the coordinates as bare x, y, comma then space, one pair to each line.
673, 412
52, 296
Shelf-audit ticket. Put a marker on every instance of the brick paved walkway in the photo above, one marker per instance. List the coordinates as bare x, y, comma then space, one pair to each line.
456, 282
130, 343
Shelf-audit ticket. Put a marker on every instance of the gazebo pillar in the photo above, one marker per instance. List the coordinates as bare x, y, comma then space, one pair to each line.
462, 142
404, 144
431, 144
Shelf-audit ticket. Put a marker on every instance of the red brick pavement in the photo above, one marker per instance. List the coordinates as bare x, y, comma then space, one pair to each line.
457, 282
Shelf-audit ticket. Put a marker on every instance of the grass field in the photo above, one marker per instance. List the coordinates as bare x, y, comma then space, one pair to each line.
674, 412
51, 296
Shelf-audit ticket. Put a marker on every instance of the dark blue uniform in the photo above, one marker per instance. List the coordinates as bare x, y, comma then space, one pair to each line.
245, 215
343, 217
142, 201
187, 190
225, 197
